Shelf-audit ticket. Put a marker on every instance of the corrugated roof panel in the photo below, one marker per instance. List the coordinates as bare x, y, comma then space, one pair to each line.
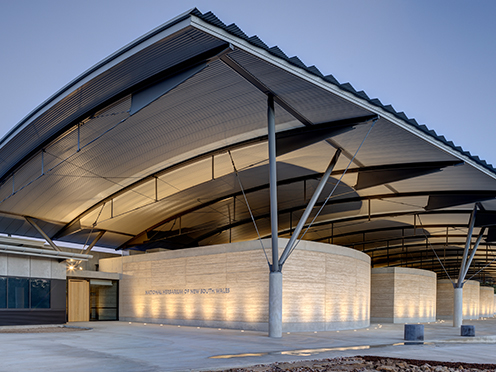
212, 18
362, 94
278, 52
152, 60
255, 40
315, 157
135, 198
57, 196
177, 119
461, 177
331, 79
211, 110
235, 30
295, 60
243, 158
181, 179
389, 144
314, 103
258, 42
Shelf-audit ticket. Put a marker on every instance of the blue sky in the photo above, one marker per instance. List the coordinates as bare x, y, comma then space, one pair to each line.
434, 60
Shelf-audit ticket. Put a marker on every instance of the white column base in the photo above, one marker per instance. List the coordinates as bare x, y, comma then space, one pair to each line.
458, 308
275, 304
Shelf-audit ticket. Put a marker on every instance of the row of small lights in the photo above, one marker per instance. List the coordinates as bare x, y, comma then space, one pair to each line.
288, 333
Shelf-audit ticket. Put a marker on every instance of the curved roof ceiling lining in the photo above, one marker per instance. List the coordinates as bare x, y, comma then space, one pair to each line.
140, 146
103, 88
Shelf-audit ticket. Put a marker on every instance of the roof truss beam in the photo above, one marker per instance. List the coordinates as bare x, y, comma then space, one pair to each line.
375, 176
439, 201
140, 237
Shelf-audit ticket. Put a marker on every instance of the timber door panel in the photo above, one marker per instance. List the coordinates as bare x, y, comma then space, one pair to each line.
78, 301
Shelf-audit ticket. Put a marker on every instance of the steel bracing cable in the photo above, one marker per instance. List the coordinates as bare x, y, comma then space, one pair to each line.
66, 159
334, 188
93, 226
248, 206
479, 271
435, 253
91, 231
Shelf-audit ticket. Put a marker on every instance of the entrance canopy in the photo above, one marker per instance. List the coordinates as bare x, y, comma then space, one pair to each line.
143, 151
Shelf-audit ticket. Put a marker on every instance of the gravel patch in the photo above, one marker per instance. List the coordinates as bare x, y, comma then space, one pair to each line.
368, 364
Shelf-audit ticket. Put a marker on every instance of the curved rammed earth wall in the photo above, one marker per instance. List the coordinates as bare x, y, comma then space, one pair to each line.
403, 295
445, 299
325, 287
486, 302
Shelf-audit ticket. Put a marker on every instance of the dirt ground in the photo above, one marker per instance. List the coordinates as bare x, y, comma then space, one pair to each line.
368, 364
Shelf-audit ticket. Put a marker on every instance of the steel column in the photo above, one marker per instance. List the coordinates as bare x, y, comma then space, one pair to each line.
275, 304
458, 307
274, 226
275, 278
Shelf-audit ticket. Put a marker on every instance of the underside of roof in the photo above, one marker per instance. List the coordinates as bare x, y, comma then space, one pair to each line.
164, 145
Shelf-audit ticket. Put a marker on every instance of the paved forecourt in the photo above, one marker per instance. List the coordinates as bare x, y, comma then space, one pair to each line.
120, 346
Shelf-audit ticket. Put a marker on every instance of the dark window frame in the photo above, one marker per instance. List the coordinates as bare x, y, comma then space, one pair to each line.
39, 299
3, 292
18, 293
32, 303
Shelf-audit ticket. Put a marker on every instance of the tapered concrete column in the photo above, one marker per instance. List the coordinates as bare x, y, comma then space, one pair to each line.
275, 304
458, 307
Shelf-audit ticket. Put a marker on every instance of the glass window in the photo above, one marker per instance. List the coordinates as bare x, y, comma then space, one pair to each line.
3, 293
18, 295
40, 294
103, 299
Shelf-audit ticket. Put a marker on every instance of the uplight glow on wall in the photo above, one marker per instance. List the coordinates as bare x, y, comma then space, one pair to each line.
221, 290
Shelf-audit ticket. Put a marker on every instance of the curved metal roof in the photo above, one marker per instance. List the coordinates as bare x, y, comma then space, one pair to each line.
142, 147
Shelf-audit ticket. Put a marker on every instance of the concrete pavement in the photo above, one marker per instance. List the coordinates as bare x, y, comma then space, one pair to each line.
120, 346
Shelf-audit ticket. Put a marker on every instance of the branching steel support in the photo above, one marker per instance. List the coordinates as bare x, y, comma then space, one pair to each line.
468, 243
308, 210
458, 286
474, 250
97, 238
42, 233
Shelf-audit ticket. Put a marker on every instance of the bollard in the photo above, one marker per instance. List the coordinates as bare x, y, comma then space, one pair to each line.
468, 330
414, 332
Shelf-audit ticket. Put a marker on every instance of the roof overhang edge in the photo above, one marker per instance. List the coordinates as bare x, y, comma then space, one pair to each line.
237, 42
167, 29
